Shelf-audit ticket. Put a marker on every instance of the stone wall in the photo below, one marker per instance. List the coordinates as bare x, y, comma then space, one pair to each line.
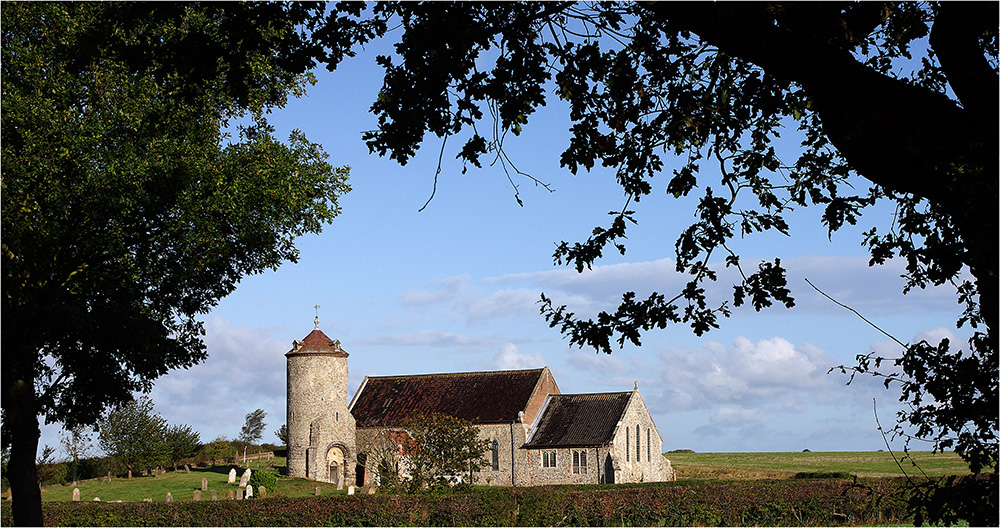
563, 472
638, 459
318, 419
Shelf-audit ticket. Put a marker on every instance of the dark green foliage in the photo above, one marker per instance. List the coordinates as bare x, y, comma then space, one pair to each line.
263, 477
715, 84
135, 435
744, 503
127, 211
443, 450
181, 442
253, 427
822, 475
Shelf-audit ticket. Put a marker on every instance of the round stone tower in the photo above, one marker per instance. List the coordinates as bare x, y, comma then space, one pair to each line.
321, 433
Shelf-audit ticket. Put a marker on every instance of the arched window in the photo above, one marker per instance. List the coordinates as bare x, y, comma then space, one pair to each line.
496, 455
628, 448
638, 452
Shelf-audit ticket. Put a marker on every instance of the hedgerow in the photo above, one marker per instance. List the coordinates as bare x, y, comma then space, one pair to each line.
738, 503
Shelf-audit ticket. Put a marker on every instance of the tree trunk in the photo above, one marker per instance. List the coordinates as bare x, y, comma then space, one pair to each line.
22, 418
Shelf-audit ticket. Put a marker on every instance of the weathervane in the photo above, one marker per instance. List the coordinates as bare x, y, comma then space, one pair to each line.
316, 320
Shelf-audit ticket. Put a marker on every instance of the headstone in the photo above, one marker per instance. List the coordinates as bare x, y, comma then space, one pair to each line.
262, 491
147, 499
187, 468
317, 491
232, 476
229, 495
204, 484
76, 494
98, 499
170, 498
239, 493
249, 494
350, 490
197, 495
213, 495
245, 478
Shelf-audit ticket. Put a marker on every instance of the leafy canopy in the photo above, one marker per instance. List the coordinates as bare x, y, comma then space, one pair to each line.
900, 94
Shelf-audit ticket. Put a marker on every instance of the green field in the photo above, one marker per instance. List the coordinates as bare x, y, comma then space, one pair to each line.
181, 486
785, 465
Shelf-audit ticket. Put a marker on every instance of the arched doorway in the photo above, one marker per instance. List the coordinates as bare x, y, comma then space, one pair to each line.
609, 470
335, 461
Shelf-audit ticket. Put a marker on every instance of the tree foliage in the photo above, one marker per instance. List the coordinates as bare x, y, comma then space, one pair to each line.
443, 450
253, 427
128, 209
282, 435
135, 435
181, 442
902, 95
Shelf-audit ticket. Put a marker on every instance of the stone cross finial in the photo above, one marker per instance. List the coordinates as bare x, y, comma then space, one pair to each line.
316, 320
636, 384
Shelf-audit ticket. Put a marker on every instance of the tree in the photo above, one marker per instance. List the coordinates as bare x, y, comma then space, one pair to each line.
443, 450
902, 95
253, 427
128, 210
76, 444
282, 434
135, 435
181, 442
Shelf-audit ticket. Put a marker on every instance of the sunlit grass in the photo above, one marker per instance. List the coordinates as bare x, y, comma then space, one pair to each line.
786, 465
181, 486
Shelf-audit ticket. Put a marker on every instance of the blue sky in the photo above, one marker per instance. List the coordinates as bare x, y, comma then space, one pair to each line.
455, 288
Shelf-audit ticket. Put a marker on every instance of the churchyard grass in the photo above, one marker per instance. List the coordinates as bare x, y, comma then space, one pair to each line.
749, 466
180, 485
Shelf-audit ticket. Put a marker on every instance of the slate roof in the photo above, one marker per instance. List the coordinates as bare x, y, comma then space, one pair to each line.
479, 397
578, 420
316, 343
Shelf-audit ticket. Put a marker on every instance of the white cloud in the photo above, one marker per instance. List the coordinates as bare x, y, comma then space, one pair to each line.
245, 370
508, 358
430, 338
738, 417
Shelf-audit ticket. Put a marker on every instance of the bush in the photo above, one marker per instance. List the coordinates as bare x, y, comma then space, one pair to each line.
823, 475
262, 477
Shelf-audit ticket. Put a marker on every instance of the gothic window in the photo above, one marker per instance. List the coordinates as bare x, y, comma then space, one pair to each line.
638, 451
496, 455
579, 461
628, 448
548, 459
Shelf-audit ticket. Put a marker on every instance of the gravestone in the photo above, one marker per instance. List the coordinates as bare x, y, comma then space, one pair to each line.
239, 494
317, 491
187, 469
98, 499
245, 478
249, 494
350, 490
204, 484
229, 495
197, 495
76, 494
262, 491
213, 495
170, 498
147, 499
232, 476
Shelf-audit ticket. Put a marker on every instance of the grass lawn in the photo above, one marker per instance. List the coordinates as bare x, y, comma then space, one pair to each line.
784, 465
181, 485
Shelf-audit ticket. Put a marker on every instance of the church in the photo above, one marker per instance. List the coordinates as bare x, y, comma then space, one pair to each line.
536, 434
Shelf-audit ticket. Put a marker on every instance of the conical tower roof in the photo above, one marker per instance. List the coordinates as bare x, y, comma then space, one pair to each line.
316, 344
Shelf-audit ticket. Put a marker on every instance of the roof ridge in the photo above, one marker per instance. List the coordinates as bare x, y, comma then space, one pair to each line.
476, 373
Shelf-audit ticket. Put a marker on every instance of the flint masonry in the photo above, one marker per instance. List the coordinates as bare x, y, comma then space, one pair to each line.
536, 434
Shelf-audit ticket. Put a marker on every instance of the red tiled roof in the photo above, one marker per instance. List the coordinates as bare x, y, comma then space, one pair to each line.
479, 397
317, 343
577, 420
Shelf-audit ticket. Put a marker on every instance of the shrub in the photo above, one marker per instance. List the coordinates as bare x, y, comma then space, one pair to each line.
823, 475
262, 477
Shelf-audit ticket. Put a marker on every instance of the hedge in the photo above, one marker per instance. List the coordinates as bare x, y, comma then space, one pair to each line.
738, 503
